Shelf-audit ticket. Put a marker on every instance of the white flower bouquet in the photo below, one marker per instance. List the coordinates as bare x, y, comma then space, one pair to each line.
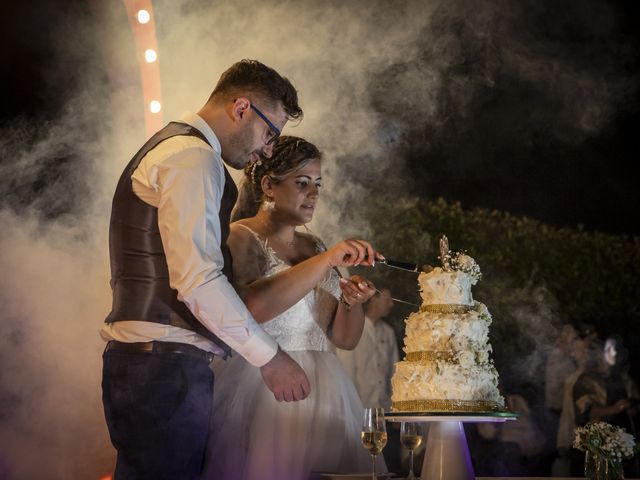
607, 443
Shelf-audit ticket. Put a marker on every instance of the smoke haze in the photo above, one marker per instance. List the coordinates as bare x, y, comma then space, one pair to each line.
397, 94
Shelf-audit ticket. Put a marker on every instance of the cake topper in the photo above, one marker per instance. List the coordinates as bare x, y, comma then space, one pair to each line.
444, 252
458, 261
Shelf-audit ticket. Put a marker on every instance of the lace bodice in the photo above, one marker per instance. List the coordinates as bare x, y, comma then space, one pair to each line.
298, 328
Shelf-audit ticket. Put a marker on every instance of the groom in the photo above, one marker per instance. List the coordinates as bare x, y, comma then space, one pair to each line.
173, 304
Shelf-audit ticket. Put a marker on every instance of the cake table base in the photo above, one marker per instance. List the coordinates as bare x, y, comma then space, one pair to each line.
447, 453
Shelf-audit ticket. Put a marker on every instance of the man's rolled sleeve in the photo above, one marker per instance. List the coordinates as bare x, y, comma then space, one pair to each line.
217, 305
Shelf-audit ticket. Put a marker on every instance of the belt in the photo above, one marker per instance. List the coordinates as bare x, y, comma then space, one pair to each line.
159, 347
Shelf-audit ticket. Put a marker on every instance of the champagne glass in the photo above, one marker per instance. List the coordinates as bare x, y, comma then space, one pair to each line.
374, 434
410, 438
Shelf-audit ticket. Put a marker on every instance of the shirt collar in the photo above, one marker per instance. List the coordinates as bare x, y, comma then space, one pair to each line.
198, 122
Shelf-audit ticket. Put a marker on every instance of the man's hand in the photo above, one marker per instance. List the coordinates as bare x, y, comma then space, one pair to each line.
285, 378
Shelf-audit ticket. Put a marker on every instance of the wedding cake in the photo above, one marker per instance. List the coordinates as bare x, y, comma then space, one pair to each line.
447, 366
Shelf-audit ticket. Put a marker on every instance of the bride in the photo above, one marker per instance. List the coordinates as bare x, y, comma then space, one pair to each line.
289, 282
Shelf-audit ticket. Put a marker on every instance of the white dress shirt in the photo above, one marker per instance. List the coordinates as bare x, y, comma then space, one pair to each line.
370, 364
559, 367
184, 178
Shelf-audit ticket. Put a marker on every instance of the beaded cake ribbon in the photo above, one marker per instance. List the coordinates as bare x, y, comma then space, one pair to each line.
447, 308
445, 406
432, 356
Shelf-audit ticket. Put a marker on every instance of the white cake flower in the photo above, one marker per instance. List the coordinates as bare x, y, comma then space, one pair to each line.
482, 357
468, 265
466, 262
466, 359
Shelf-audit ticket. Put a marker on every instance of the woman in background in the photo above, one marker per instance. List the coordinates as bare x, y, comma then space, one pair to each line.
619, 385
600, 392
289, 282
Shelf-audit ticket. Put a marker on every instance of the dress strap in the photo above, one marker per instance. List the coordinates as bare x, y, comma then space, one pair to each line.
258, 237
264, 243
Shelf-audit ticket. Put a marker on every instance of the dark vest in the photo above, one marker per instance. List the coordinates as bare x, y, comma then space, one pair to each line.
139, 272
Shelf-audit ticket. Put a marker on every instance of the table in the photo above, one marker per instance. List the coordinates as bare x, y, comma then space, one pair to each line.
447, 453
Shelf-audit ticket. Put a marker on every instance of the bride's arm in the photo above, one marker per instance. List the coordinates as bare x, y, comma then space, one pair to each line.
348, 322
267, 297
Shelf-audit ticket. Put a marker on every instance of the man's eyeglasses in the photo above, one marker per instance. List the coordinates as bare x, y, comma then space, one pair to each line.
274, 132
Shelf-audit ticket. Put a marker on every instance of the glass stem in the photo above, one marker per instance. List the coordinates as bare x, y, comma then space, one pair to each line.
411, 475
374, 476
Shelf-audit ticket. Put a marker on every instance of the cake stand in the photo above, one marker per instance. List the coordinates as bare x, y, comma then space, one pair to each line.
447, 453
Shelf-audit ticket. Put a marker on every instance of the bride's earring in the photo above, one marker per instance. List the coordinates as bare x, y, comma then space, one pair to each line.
268, 204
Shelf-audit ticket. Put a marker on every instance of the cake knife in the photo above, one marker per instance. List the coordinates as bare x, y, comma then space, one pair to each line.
408, 267
400, 301
392, 298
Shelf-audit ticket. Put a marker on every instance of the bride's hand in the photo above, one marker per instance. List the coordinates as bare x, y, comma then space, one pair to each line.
357, 289
352, 252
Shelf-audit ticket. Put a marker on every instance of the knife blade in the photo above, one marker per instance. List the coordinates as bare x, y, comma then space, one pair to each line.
400, 301
409, 267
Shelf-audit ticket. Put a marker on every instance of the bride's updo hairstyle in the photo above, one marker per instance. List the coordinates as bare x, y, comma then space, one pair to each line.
289, 155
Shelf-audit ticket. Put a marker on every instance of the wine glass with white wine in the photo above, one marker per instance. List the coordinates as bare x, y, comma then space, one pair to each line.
374, 434
410, 438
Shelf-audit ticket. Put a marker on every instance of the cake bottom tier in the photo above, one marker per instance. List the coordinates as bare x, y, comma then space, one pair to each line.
443, 386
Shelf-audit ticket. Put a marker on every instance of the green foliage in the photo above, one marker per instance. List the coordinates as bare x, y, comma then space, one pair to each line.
534, 275
592, 275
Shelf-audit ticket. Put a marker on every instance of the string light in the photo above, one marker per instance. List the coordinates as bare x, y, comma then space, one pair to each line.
150, 55
155, 106
142, 21
144, 16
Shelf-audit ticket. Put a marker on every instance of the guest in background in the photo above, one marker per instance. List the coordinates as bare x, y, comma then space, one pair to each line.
595, 396
560, 364
621, 390
591, 399
370, 364
583, 347
618, 383
510, 448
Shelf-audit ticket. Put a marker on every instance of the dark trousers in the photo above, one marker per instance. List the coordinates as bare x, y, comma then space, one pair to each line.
157, 407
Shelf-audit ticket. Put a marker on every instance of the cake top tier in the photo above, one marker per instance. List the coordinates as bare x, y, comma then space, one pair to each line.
439, 287
451, 283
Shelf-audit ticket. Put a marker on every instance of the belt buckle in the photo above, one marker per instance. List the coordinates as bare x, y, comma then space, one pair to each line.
209, 357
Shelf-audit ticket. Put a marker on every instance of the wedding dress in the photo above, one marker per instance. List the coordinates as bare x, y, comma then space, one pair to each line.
255, 437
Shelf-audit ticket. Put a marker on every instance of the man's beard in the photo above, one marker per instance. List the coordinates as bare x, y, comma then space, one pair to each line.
240, 141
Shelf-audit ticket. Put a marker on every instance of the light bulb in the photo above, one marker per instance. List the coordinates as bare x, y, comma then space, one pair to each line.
155, 106
150, 55
144, 16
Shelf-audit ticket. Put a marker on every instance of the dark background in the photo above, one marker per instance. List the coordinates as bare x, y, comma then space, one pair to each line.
536, 115
507, 152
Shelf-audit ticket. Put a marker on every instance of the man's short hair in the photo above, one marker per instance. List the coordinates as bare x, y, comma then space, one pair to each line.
250, 77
